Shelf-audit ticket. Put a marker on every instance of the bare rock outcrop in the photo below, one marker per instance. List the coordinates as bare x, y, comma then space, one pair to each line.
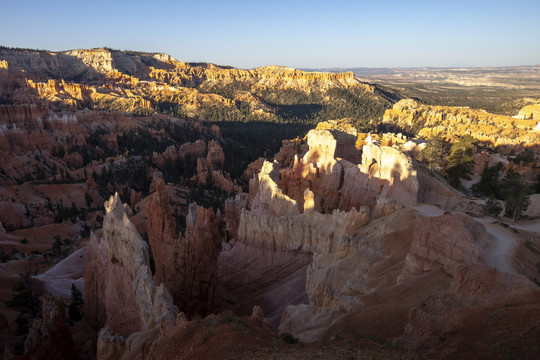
233, 210
253, 168
186, 264
376, 263
201, 245
274, 240
342, 177
458, 241
311, 212
215, 158
447, 120
16, 114
119, 290
288, 151
163, 238
49, 338
275, 222
417, 280
529, 112
532, 211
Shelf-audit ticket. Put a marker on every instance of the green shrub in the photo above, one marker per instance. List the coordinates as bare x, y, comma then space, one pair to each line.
492, 207
288, 338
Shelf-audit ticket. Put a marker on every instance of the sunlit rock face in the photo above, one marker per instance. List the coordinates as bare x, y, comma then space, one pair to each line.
310, 209
375, 262
499, 130
529, 112
342, 177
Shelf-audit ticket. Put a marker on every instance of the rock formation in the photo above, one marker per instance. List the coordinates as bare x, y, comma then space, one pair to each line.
374, 262
163, 239
529, 112
429, 120
49, 337
208, 157
343, 233
185, 264
119, 291
143, 83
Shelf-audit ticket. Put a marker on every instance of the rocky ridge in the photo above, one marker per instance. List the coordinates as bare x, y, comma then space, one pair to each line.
119, 291
338, 240
529, 112
146, 83
392, 251
429, 121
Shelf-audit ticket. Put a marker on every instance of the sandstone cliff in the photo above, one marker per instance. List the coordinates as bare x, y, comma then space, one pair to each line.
432, 120
144, 83
186, 264
415, 279
297, 211
119, 291
377, 254
342, 177
529, 112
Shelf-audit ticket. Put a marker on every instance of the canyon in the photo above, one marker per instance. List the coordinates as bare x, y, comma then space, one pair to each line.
203, 211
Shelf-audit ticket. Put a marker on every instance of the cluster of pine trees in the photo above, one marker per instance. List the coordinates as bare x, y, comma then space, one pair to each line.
496, 184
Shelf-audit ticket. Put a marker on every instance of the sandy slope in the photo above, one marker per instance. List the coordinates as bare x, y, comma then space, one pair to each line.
69, 271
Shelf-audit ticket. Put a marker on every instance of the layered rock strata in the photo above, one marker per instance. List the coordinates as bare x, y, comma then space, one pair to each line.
119, 291
498, 130
379, 259
186, 264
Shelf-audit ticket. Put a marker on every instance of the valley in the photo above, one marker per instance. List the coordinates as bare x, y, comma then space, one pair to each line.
499, 90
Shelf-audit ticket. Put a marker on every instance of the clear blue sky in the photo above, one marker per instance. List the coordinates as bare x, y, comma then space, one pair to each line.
303, 34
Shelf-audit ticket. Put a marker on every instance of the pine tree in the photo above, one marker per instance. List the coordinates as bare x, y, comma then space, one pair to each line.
76, 301
516, 195
433, 153
460, 163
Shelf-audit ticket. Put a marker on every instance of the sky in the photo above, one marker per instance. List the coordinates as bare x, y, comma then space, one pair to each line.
301, 34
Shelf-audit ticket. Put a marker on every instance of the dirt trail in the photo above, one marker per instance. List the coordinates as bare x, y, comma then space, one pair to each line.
499, 254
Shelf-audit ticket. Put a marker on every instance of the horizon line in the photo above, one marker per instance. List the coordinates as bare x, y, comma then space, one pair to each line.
303, 68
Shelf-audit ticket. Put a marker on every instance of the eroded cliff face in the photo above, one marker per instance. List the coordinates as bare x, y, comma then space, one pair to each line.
334, 241
119, 291
297, 213
530, 112
380, 259
416, 279
343, 177
163, 239
144, 82
446, 120
186, 264
137, 315
275, 222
